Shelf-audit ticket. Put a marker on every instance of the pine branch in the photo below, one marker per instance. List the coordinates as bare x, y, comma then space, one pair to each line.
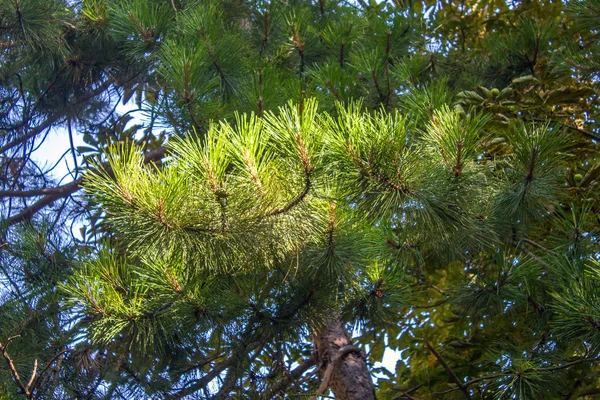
11, 365
204, 381
388, 48
455, 378
53, 194
589, 392
338, 97
293, 203
538, 246
33, 374
287, 380
589, 134
36, 192
33, 132
48, 365
53, 119
406, 394
60, 192
219, 368
504, 374
308, 169
25, 389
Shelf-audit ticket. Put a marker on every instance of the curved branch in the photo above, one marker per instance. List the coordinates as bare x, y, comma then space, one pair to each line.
296, 201
308, 169
34, 132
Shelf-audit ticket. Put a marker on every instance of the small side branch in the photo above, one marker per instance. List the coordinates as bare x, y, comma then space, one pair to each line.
26, 389
53, 194
293, 203
286, 381
407, 394
11, 365
538, 246
455, 378
505, 374
308, 169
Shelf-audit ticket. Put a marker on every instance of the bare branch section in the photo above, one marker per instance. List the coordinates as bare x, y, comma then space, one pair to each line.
455, 378
282, 386
54, 119
36, 378
512, 373
53, 194
11, 366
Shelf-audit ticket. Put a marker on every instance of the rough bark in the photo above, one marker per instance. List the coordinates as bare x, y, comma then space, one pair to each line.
344, 366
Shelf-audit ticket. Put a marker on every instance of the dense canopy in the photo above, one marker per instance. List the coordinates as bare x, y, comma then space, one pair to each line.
307, 187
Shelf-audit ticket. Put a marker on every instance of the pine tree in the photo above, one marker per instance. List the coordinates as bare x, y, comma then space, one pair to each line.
450, 214
263, 242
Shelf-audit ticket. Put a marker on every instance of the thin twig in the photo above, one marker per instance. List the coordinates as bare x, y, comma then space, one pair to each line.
407, 393
11, 364
49, 364
33, 374
538, 246
504, 374
452, 374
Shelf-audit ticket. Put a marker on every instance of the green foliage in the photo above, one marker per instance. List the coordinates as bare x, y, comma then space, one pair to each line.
425, 171
326, 207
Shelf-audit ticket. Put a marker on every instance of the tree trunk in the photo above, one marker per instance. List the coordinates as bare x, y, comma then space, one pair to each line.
346, 371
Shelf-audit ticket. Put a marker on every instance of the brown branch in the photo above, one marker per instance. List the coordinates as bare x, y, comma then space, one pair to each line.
376, 83
11, 365
293, 203
265, 33
388, 49
538, 246
335, 93
34, 192
53, 194
308, 169
394, 186
217, 370
281, 386
33, 375
53, 119
402, 246
504, 374
436, 304
455, 378
407, 393
564, 366
589, 392
206, 379
27, 213
33, 132
228, 384
48, 365
572, 127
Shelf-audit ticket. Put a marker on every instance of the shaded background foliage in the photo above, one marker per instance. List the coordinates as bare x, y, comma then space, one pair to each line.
513, 313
